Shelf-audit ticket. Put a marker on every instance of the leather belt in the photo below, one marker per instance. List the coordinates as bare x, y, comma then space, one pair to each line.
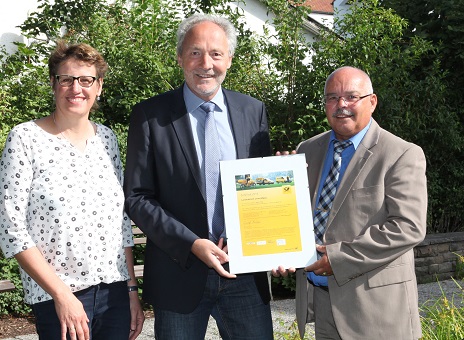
324, 288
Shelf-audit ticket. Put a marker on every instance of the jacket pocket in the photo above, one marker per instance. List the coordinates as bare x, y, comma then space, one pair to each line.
390, 275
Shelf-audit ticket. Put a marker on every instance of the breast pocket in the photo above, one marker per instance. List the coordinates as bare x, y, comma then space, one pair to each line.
368, 202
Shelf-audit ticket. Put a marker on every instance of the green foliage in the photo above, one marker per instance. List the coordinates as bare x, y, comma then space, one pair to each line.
11, 303
459, 266
444, 320
413, 97
286, 283
440, 106
292, 333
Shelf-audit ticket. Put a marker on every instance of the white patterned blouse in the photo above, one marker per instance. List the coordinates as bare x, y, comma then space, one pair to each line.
68, 204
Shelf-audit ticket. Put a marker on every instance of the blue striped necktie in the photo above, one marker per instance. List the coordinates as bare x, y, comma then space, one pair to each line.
213, 191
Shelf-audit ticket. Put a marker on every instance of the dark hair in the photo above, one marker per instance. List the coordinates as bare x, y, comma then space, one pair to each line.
81, 52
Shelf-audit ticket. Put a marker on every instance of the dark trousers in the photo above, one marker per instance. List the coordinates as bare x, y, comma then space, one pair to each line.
106, 306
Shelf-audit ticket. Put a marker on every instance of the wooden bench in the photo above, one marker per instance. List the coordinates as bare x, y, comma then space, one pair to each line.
6, 286
139, 239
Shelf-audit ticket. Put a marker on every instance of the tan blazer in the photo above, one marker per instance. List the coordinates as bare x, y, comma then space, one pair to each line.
378, 216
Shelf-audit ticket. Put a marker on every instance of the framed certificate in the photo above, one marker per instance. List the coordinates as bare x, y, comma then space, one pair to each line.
267, 211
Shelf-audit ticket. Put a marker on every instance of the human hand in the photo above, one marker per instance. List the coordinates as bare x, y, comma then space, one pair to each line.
281, 271
212, 256
284, 153
321, 266
72, 316
222, 244
137, 316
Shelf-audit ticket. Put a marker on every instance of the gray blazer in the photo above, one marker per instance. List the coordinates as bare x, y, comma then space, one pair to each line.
378, 216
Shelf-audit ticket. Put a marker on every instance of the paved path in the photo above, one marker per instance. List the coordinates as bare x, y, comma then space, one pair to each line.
283, 312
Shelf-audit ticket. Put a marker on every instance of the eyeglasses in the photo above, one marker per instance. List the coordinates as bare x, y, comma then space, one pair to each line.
349, 99
67, 80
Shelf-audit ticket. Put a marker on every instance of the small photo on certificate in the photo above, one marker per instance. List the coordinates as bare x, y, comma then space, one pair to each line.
267, 212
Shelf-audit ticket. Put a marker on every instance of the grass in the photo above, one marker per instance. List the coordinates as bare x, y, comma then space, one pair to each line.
292, 332
444, 319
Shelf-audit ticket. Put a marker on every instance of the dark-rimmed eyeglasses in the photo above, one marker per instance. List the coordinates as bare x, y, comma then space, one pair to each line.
348, 99
66, 80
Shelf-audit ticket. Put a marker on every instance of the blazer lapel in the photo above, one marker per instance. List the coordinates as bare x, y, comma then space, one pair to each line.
321, 152
180, 121
236, 116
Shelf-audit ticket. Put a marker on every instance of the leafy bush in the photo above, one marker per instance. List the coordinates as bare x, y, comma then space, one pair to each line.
12, 303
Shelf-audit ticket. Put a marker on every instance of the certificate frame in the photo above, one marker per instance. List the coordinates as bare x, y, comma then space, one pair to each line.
268, 215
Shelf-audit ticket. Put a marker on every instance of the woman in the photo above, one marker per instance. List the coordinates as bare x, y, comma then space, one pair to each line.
62, 211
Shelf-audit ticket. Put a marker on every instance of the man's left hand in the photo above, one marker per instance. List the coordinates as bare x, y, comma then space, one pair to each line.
322, 266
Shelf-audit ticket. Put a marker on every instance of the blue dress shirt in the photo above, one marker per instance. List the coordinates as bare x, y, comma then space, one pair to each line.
346, 156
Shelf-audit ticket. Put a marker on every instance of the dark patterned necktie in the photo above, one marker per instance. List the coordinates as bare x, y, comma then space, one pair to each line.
328, 191
213, 190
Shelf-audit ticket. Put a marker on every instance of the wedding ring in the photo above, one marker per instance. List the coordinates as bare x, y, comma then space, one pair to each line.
324, 273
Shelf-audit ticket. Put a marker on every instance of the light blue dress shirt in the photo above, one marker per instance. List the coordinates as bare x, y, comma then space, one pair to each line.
346, 156
197, 121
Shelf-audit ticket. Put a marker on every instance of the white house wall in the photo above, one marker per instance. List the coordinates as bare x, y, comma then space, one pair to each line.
12, 15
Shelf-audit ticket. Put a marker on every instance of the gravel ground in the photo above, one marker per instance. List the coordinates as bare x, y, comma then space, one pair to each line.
283, 311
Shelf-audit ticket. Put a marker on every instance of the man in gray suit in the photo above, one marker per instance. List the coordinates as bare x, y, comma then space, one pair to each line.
363, 286
175, 201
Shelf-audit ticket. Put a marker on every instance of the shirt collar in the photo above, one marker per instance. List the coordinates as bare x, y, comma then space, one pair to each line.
357, 138
192, 101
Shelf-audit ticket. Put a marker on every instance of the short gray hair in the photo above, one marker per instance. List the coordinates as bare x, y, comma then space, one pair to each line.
190, 22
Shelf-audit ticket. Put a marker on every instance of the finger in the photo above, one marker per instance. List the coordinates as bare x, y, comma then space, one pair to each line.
133, 328
321, 249
221, 256
282, 271
221, 271
312, 267
64, 331
278, 153
86, 330
80, 334
275, 273
72, 332
139, 327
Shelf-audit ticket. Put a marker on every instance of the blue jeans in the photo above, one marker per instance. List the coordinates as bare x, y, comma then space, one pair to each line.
235, 304
106, 306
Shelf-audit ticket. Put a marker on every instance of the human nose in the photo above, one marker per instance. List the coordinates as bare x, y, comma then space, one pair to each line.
206, 62
75, 85
344, 102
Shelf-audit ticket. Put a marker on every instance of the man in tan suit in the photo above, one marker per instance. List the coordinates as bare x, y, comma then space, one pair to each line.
364, 284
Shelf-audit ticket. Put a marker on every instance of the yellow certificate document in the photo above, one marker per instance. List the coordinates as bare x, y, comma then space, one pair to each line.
268, 214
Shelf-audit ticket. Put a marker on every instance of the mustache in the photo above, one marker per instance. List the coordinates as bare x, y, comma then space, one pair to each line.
342, 112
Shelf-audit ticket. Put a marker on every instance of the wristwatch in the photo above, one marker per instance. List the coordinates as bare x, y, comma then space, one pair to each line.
132, 288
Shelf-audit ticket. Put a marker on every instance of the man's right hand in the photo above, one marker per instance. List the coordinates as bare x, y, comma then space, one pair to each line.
212, 256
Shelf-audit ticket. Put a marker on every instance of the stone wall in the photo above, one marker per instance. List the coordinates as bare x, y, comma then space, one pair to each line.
436, 257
